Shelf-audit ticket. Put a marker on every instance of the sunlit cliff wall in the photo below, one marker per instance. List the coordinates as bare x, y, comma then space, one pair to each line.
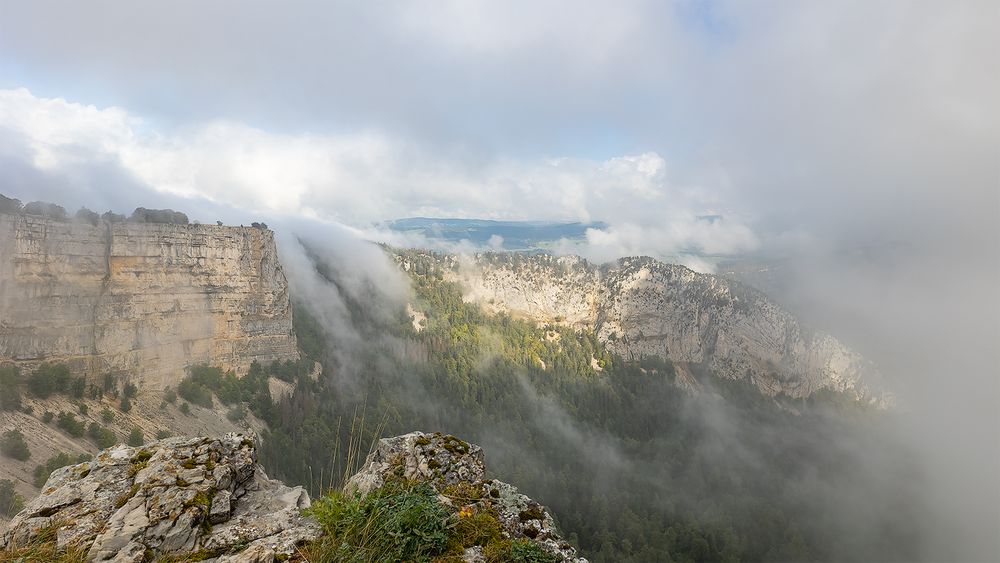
142, 300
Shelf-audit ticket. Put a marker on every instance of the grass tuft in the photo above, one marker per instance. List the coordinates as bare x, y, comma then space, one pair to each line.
404, 521
43, 548
400, 521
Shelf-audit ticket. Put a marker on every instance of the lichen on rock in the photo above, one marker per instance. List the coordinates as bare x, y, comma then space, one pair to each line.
207, 499
456, 470
175, 496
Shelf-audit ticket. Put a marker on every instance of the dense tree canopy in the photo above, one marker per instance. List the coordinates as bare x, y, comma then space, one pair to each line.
634, 467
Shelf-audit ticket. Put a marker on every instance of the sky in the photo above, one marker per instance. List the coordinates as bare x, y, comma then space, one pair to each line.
856, 141
788, 119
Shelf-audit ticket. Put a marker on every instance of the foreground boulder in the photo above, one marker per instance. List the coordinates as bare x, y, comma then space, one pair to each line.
201, 497
207, 499
450, 465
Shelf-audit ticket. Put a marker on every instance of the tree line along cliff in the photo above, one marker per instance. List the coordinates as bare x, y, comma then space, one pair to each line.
640, 307
140, 299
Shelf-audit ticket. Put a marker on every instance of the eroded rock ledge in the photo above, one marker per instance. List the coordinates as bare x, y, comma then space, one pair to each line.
207, 499
201, 496
445, 462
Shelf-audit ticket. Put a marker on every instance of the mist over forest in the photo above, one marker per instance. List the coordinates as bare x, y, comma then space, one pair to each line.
724, 474
837, 161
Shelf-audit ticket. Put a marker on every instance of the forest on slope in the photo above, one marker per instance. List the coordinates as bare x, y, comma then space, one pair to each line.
634, 467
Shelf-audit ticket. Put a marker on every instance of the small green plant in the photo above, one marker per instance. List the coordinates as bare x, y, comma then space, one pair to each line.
126, 404
48, 379
478, 528
47, 417
43, 547
103, 437
403, 521
162, 434
397, 522
185, 408
123, 498
169, 395
135, 437
13, 445
10, 502
194, 391
517, 551
77, 387
69, 424
82, 409
237, 413
139, 462
109, 384
107, 415
10, 380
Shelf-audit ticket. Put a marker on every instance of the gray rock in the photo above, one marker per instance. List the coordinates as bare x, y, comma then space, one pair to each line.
437, 458
208, 498
474, 554
174, 496
445, 461
643, 307
221, 507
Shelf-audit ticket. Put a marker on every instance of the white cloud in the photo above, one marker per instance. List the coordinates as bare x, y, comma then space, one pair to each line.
361, 178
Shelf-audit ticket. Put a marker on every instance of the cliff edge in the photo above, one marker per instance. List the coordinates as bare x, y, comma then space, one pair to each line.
206, 499
640, 307
203, 497
143, 300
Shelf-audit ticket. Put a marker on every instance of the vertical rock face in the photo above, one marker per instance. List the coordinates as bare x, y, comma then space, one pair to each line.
141, 299
642, 307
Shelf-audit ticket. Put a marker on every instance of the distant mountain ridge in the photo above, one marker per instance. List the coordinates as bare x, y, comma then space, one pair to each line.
640, 306
515, 235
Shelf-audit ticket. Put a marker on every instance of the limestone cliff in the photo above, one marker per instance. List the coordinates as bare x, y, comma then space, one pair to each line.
641, 307
141, 299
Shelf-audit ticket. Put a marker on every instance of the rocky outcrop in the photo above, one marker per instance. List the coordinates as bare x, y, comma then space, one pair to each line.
205, 499
447, 462
143, 300
642, 307
183, 496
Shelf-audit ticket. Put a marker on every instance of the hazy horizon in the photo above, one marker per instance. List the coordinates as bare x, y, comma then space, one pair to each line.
857, 142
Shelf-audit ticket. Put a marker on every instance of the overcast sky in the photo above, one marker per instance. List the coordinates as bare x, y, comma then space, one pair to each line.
795, 121
859, 137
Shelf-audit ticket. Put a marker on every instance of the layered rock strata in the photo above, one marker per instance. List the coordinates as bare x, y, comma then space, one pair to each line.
141, 299
642, 307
